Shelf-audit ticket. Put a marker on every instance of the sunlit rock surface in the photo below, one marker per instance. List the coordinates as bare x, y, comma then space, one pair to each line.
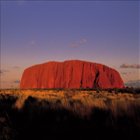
70, 74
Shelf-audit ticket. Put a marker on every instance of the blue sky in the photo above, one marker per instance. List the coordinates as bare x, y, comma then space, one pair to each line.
39, 31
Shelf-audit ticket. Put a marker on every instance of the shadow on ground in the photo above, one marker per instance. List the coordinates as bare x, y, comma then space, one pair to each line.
39, 121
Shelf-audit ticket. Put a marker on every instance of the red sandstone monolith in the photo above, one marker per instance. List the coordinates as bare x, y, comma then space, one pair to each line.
70, 74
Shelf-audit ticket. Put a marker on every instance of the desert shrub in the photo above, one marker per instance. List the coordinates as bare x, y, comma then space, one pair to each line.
108, 102
90, 92
109, 90
6, 130
69, 93
7, 102
101, 117
116, 90
137, 90
128, 90
98, 90
58, 102
71, 103
44, 118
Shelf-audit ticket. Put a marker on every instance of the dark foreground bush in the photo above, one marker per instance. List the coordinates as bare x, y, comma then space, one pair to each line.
38, 120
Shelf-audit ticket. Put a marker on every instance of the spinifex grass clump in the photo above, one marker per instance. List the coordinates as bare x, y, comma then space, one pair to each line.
54, 114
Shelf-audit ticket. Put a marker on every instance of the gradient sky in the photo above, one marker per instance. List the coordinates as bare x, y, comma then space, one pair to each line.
39, 31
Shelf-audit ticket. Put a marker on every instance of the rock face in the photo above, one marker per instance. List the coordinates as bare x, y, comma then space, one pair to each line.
70, 74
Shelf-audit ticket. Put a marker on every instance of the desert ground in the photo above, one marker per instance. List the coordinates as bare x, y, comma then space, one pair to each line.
69, 114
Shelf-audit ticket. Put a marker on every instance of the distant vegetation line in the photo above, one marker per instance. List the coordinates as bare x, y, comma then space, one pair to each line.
110, 90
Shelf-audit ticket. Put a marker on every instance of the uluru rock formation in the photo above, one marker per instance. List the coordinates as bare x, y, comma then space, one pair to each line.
70, 74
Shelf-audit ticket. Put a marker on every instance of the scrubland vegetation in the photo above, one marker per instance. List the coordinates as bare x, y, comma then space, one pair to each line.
69, 114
